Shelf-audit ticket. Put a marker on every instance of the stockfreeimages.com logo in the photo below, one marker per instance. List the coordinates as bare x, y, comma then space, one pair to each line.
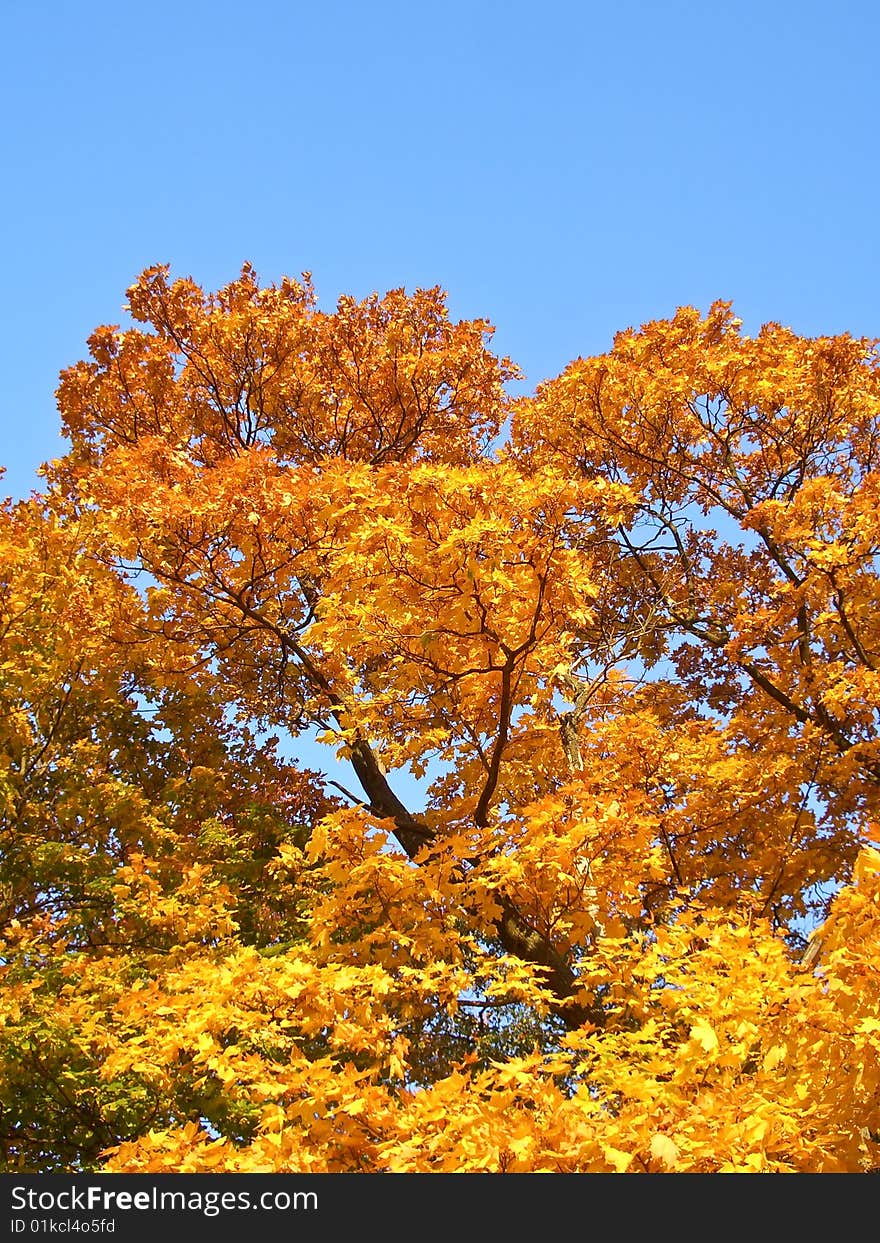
97, 1199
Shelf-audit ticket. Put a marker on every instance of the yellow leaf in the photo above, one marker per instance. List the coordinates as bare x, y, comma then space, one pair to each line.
619, 1159
704, 1033
664, 1149
774, 1056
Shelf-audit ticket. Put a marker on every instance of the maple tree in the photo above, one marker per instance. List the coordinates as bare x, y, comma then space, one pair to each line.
623, 634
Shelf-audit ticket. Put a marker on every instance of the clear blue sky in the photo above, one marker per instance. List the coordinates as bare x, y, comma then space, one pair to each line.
565, 169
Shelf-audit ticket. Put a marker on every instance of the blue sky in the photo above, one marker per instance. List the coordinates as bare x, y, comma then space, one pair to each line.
564, 169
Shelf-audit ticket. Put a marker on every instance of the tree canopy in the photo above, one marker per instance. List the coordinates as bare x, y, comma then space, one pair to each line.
622, 636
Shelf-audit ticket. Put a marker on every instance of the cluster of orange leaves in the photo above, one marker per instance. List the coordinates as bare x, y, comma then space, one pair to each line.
623, 633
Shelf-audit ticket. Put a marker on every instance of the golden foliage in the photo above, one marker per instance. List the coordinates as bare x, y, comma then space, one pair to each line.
624, 634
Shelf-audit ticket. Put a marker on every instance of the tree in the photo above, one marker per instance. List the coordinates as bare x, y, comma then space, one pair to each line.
625, 634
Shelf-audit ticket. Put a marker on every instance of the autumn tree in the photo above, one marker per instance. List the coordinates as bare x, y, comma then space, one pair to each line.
624, 636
